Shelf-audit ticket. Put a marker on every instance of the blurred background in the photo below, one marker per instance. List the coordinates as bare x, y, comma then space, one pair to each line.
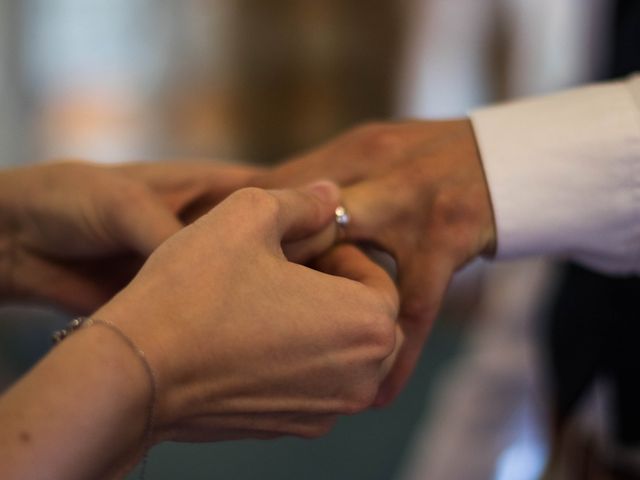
249, 80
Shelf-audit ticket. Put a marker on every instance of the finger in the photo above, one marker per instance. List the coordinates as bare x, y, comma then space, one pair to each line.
145, 225
423, 282
323, 162
305, 211
301, 172
349, 158
210, 192
348, 261
190, 188
369, 211
301, 251
172, 175
375, 210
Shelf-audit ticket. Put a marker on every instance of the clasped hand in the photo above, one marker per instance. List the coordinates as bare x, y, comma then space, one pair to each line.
417, 190
246, 342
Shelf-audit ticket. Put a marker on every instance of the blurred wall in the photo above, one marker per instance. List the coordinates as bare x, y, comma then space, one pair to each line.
307, 69
13, 122
113, 80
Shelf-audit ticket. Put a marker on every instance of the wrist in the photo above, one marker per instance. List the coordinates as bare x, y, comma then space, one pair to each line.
122, 401
477, 189
89, 393
488, 238
118, 312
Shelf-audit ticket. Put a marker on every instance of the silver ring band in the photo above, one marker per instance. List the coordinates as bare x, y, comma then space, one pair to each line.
342, 222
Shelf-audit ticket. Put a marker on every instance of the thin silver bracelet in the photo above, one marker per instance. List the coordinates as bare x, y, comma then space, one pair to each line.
84, 322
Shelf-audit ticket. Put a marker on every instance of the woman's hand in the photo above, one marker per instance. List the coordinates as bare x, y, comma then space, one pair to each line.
243, 343
247, 344
75, 233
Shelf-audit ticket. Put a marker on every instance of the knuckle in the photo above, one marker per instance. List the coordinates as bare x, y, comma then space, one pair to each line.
360, 397
256, 201
252, 196
383, 335
380, 140
379, 333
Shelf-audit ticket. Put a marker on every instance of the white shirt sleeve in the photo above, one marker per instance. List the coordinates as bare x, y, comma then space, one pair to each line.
564, 175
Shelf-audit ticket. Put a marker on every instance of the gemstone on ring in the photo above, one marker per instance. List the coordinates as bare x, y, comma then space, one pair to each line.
342, 216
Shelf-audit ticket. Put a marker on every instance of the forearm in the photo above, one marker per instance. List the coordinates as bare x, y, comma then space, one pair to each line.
80, 412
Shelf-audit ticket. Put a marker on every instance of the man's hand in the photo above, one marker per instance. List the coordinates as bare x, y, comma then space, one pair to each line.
75, 233
416, 190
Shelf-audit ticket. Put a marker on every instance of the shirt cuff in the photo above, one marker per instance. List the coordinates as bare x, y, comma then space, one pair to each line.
564, 175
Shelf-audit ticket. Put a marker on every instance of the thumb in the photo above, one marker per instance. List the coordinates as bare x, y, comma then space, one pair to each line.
305, 211
144, 226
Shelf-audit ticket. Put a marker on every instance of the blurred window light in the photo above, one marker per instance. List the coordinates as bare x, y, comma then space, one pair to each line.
526, 456
75, 42
520, 462
105, 77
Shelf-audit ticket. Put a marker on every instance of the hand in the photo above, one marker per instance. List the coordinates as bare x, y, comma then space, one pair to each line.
416, 190
248, 344
189, 188
76, 233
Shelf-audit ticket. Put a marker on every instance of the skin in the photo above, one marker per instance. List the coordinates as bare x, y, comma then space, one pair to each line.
291, 321
74, 233
243, 342
97, 434
416, 190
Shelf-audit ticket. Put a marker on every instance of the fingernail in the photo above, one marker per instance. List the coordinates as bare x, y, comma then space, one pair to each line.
325, 190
